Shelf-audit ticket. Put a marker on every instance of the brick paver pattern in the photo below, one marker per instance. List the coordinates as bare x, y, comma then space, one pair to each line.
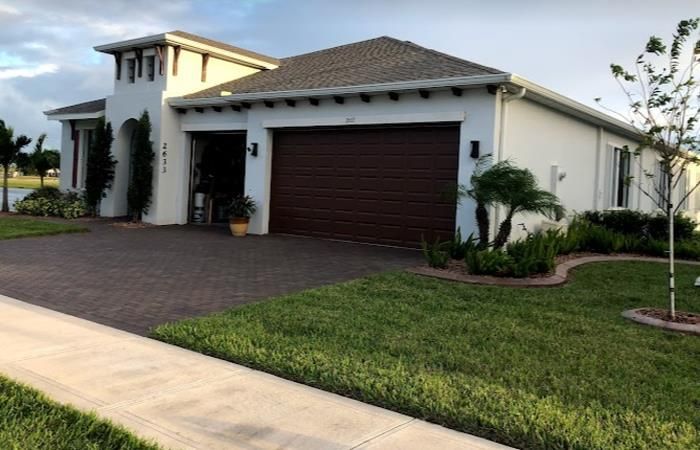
134, 279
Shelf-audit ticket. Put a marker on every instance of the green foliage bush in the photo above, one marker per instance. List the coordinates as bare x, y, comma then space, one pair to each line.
592, 231
637, 223
535, 254
436, 254
489, 262
458, 248
49, 201
141, 184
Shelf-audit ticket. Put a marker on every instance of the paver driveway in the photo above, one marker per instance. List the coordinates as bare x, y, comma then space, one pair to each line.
134, 279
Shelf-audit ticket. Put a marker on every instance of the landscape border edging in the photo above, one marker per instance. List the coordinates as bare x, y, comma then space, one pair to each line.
559, 277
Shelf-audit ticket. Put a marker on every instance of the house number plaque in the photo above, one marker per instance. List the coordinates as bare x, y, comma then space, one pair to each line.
165, 157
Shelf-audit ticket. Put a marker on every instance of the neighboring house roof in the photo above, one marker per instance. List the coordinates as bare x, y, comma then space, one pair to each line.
94, 108
375, 61
223, 46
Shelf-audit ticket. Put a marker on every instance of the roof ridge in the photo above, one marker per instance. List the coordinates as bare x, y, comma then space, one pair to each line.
337, 47
223, 45
445, 55
100, 104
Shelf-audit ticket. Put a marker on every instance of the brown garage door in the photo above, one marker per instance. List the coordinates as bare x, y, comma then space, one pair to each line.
376, 184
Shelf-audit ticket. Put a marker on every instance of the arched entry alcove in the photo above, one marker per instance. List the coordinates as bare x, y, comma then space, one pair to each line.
123, 145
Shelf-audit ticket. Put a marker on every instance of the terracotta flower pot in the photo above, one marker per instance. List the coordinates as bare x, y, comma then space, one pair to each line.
238, 226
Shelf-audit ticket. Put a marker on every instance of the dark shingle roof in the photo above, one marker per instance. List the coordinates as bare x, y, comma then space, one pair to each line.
224, 46
93, 106
375, 61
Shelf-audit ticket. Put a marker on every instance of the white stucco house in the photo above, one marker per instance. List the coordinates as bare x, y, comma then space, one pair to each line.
357, 142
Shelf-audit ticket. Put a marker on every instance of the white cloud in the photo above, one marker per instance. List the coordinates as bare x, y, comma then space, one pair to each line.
9, 10
565, 45
27, 72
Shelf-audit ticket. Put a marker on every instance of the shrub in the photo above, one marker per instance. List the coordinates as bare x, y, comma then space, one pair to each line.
47, 192
142, 156
683, 227
654, 226
458, 248
622, 221
489, 262
687, 249
100, 166
49, 201
535, 254
575, 236
437, 254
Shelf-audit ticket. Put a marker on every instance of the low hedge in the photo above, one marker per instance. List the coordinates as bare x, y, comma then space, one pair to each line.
595, 232
637, 223
49, 201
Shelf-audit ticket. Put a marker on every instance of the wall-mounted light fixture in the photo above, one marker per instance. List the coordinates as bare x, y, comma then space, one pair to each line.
474, 149
253, 149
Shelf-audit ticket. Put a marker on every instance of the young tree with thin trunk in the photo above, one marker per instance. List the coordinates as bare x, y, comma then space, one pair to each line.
10, 148
141, 184
100, 166
664, 106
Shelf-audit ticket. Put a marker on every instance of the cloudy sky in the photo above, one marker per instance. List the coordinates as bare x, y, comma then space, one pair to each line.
47, 61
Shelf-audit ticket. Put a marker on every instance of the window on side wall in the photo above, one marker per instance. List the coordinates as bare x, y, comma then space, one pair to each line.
621, 177
151, 67
131, 70
661, 185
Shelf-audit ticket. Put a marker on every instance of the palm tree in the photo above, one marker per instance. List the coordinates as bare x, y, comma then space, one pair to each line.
10, 148
515, 189
482, 199
41, 159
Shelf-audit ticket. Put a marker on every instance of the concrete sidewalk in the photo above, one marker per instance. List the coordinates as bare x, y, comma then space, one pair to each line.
186, 400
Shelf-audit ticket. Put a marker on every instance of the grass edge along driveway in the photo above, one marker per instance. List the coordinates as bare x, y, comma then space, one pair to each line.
29, 420
12, 227
531, 368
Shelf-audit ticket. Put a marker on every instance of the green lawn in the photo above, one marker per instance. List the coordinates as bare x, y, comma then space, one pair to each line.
17, 227
30, 182
532, 368
28, 420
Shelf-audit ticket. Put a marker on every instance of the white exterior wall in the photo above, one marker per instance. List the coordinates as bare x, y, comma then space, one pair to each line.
66, 176
476, 111
549, 142
171, 176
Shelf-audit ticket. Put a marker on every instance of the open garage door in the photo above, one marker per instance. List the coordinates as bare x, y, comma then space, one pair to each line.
382, 185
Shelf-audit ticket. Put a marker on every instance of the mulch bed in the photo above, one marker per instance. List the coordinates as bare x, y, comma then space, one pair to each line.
663, 314
133, 225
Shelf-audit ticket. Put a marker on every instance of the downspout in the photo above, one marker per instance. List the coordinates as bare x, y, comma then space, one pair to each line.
502, 137
502, 124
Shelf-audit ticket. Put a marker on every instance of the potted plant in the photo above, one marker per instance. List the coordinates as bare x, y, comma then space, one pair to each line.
239, 211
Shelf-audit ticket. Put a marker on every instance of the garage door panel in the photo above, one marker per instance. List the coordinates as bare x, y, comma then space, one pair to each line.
380, 185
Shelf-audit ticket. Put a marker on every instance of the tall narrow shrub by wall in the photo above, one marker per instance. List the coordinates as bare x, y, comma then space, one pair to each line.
141, 183
100, 166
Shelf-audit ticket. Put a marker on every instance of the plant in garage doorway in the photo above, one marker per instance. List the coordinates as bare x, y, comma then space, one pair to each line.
240, 210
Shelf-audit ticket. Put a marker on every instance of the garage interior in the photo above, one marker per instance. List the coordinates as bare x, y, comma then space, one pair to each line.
217, 175
384, 185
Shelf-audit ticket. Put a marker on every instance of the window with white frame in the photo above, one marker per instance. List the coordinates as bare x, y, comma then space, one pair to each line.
661, 185
683, 190
621, 178
131, 70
